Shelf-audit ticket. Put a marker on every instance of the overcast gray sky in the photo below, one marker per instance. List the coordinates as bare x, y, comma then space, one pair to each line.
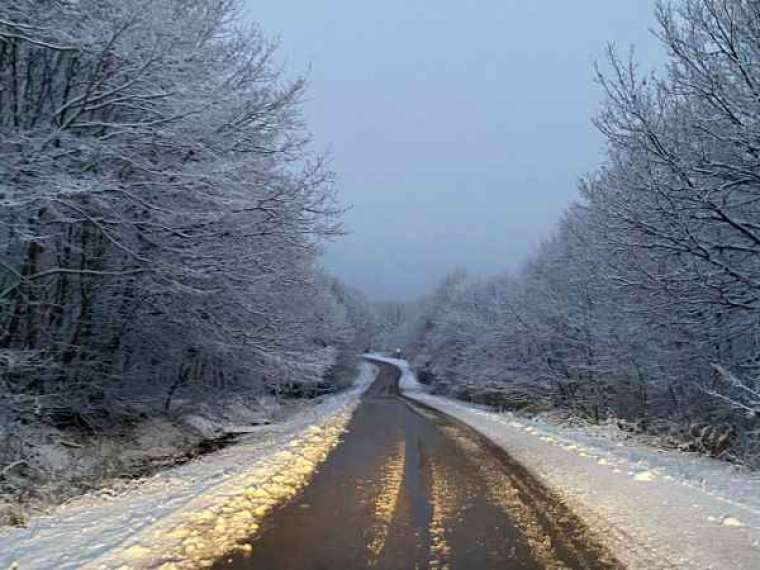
457, 129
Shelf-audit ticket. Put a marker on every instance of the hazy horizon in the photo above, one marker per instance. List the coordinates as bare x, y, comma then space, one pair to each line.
457, 135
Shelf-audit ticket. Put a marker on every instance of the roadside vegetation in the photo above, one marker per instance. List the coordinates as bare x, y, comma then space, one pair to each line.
643, 307
161, 215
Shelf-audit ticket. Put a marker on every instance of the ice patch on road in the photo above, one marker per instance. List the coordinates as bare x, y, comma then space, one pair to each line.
386, 502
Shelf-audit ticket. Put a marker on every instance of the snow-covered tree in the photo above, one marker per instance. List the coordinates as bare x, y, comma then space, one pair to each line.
161, 211
645, 302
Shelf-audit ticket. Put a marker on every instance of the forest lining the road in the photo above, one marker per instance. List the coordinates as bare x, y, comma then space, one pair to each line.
163, 219
642, 503
642, 305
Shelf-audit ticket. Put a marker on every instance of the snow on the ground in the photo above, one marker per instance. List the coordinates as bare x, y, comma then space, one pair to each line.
655, 509
190, 514
408, 381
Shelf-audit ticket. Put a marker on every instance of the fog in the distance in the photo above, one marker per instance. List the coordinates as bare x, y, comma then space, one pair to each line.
458, 130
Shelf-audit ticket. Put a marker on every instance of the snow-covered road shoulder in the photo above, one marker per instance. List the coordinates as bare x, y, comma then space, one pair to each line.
408, 382
191, 515
654, 509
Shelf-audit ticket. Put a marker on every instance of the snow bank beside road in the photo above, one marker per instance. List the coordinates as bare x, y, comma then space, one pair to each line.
408, 382
193, 513
655, 510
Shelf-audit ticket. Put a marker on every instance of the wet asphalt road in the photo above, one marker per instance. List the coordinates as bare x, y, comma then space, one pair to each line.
410, 488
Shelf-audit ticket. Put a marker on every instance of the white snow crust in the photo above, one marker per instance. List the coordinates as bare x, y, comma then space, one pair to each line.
408, 382
655, 509
94, 531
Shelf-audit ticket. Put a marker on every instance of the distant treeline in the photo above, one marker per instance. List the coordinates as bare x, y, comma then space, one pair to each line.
645, 302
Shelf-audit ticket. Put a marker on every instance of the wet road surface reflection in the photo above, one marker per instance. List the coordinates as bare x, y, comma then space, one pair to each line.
409, 488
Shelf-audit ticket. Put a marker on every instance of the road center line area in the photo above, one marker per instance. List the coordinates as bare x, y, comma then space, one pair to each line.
411, 488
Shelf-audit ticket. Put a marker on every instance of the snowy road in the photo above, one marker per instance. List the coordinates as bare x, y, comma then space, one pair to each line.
409, 488
187, 516
391, 482
654, 509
